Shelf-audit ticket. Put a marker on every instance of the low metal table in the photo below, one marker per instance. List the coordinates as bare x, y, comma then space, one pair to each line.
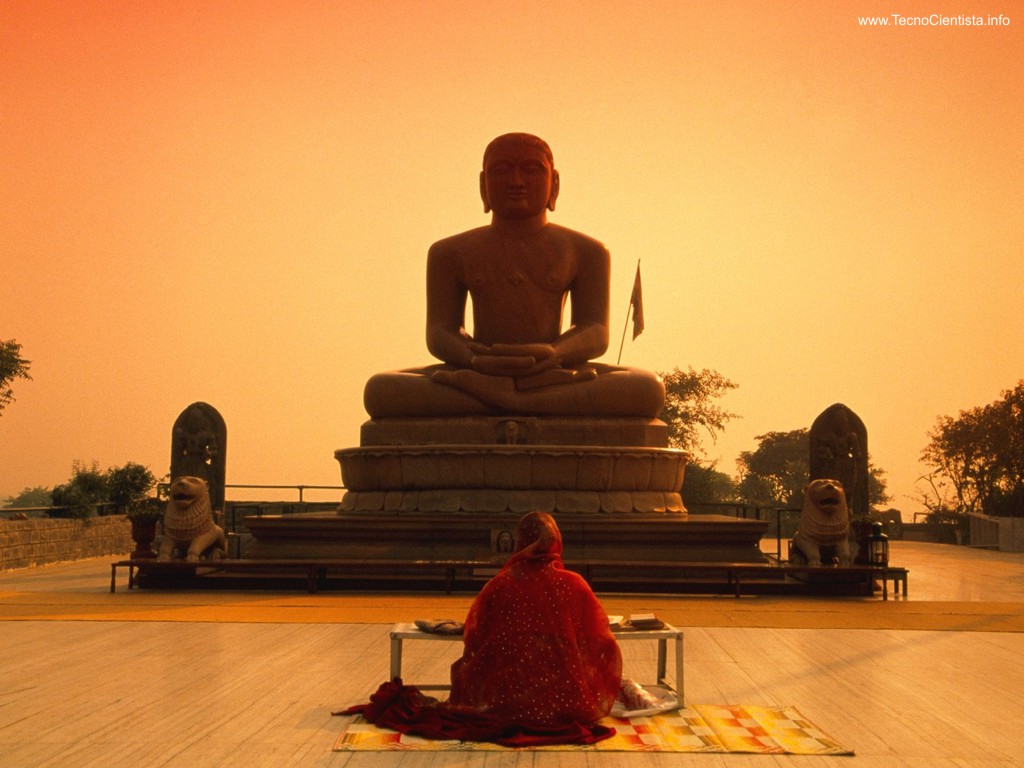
402, 632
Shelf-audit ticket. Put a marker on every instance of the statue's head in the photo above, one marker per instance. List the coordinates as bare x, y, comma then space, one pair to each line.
518, 179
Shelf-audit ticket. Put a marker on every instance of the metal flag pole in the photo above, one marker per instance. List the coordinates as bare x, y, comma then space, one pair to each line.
634, 296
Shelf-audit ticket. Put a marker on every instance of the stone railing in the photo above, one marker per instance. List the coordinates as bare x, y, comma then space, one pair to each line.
49, 540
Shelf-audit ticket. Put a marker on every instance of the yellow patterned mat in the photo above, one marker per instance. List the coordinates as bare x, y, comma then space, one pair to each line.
696, 728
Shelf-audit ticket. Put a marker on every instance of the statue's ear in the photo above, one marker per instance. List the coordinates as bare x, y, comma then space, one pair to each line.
554, 190
483, 192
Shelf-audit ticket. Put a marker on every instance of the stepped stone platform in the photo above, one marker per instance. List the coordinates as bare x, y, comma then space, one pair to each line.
521, 478
461, 535
513, 464
454, 488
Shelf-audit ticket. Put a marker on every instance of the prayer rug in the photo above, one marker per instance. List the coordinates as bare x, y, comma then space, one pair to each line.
696, 728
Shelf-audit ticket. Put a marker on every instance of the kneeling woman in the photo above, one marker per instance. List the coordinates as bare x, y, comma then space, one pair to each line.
540, 664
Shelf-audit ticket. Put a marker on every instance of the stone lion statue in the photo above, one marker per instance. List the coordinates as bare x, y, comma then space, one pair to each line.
824, 527
188, 523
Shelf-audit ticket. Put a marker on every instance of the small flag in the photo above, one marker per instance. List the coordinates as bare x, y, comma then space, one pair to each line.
636, 303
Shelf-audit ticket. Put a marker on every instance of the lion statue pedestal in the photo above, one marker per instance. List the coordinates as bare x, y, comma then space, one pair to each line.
823, 533
188, 523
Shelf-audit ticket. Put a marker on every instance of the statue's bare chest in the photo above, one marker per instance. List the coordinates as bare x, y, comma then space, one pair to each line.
520, 267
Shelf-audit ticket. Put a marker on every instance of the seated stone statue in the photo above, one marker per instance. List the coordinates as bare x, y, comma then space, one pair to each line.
518, 271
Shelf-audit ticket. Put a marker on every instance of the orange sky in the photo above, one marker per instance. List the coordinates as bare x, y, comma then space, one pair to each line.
232, 202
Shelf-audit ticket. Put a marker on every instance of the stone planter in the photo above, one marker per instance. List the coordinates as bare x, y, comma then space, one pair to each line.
143, 534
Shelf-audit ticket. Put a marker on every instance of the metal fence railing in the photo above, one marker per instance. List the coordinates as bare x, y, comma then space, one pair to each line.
301, 489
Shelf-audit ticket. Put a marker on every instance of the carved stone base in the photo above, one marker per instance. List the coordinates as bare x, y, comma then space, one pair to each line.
520, 501
513, 478
665, 537
453, 489
516, 430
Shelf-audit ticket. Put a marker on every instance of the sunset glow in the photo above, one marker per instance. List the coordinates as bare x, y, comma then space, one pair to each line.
232, 202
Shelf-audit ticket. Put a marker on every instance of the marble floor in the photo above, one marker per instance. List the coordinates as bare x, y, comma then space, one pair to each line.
147, 678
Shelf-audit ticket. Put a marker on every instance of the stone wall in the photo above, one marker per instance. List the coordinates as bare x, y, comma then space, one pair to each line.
984, 531
45, 540
1011, 534
1003, 533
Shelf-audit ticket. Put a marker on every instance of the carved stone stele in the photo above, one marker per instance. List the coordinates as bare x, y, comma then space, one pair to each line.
199, 448
839, 451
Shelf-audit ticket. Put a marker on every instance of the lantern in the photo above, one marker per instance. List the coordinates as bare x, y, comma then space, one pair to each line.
878, 546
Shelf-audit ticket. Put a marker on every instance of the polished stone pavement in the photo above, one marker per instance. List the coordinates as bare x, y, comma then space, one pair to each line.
162, 678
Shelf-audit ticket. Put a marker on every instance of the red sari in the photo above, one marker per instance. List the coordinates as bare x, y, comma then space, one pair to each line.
540, 664
538, 649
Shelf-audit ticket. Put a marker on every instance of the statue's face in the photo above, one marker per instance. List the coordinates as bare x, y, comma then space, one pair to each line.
518, 181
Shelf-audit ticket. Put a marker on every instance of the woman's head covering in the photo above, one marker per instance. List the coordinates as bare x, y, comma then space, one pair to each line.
537, 535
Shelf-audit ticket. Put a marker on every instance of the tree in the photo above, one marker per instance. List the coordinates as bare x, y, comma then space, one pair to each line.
705, 484
89, 488
79, 496
980, 456
12, 366
127, 486
878, 487
30, 497
689, 405
776, 472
